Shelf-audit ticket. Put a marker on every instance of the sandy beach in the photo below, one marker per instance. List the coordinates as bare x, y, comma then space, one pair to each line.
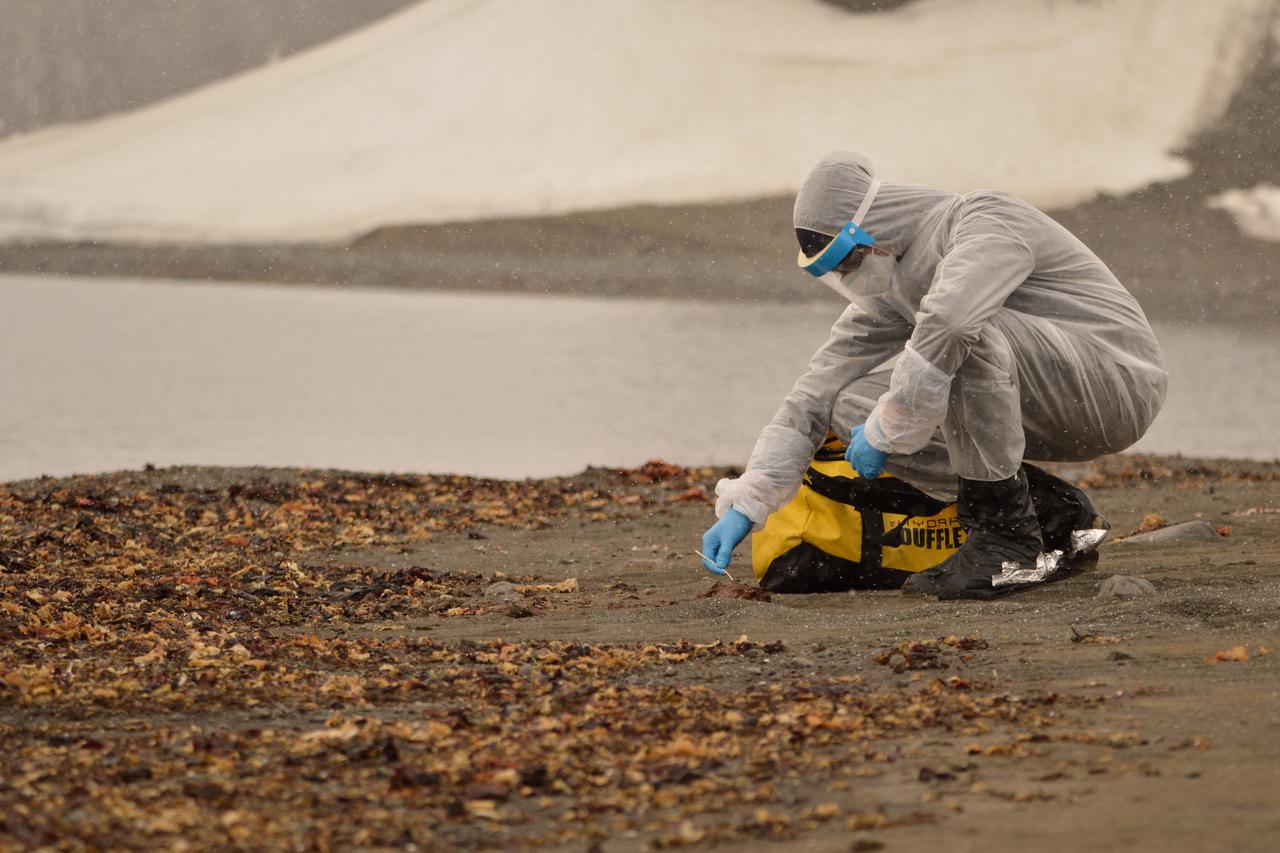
327, 660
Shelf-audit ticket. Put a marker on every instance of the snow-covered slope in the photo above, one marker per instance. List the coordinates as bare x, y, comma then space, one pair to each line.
1256, 210
465, 109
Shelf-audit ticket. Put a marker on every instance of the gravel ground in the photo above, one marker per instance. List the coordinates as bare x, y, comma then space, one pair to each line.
203, 658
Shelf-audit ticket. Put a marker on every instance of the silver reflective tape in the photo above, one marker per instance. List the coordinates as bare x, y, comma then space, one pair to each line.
1046, 564
1086, 541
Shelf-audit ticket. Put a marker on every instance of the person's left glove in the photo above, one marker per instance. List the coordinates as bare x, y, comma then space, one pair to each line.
725, 535
868, 461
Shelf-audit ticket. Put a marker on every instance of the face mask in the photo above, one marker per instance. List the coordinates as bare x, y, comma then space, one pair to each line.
873, 275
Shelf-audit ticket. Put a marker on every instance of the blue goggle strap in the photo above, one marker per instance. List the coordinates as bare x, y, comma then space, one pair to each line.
850, 237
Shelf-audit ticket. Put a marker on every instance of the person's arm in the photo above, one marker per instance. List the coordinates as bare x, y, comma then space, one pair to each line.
868, 333
983, 263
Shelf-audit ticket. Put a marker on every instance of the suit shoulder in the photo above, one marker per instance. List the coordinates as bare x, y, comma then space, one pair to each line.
981, 199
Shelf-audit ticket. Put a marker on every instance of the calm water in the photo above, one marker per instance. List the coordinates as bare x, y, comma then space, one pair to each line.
109, 374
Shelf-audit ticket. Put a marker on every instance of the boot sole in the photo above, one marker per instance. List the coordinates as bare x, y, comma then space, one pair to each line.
1070, 567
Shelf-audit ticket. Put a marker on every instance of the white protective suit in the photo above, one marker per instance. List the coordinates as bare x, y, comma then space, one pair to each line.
1013, 341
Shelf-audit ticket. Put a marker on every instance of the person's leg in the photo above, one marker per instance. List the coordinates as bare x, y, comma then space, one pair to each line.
1077, 400
983, 428
985, 441
1029, 390
1026, 390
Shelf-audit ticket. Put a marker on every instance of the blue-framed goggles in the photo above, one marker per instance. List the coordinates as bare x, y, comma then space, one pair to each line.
850, 237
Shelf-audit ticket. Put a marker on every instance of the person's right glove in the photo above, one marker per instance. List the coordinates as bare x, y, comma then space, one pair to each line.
867, 460
725, 535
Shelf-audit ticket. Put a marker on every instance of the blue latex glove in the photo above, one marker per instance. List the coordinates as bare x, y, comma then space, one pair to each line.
725, 535
868, 461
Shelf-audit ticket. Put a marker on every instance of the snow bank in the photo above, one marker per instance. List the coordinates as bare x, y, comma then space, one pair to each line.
1256, 211
457, 109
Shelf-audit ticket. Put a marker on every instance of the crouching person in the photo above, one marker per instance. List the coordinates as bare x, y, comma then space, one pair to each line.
1009, 340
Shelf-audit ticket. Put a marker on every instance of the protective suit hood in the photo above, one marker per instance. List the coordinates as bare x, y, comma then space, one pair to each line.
834, 189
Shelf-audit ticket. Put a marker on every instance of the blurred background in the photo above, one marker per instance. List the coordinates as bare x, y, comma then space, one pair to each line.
518, 237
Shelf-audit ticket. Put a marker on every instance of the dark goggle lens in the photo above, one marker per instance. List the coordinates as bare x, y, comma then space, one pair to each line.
811, 242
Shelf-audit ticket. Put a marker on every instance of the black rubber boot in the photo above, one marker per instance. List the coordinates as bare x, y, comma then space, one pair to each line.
1001, 528
1068, 520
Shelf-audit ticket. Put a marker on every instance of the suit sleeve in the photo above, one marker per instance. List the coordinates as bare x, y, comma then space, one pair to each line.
868, 333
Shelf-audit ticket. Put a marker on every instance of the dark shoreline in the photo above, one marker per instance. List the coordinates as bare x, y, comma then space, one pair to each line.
1182, 260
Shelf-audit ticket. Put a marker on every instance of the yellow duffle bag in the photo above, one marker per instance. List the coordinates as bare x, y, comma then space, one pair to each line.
842, 533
